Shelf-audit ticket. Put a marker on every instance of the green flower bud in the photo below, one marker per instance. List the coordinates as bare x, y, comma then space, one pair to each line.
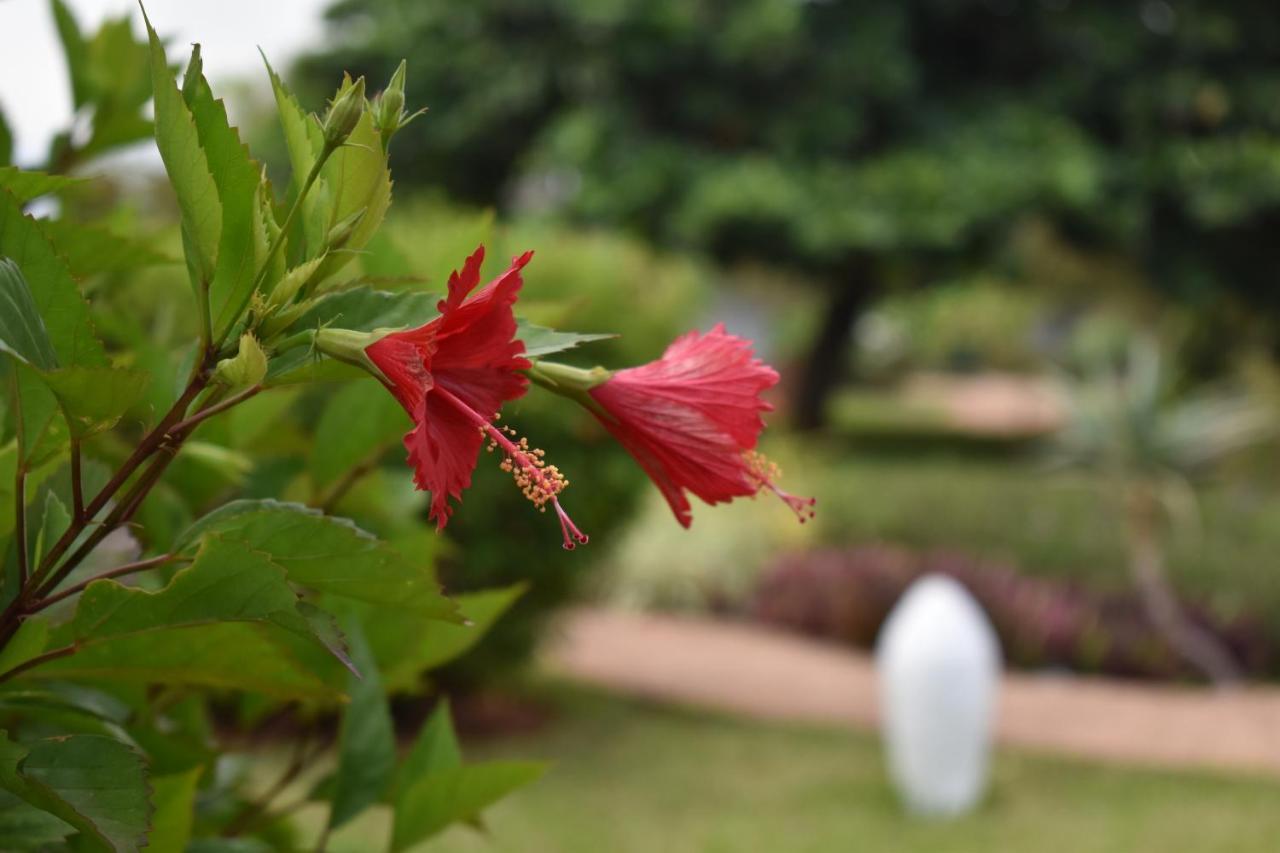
340, 233
294, 280
344, 113
349, 346
248, 367
391, 103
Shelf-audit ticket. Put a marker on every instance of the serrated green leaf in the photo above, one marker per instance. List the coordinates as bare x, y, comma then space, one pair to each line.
90, 250
187, 166
329, 555
359, 422
359, 171
222, 655
227, 582
540, 341
236, 177
54, 292
94, 398
24, 185
366, 739
302, 133
95, 783
365, 309
22, 330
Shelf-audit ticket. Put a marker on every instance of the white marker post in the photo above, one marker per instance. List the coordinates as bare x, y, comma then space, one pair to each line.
939, 666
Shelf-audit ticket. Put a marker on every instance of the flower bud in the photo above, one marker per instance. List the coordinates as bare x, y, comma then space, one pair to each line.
349, 346
344, 113
294, 280
340, 233
248, 367
391, 102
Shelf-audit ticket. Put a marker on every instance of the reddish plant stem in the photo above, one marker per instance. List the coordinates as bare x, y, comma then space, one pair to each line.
208, 412
77, 485
52, 654
141, 453
20, 522
118, 572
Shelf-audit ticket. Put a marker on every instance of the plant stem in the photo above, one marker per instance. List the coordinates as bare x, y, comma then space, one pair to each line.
123, 511
120, 571
204, 414
328, 500
77, 484
261, 276
20, 522
52, 654
140, 454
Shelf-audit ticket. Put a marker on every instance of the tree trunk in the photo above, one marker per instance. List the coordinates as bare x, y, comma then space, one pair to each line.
824, 366
1196, 646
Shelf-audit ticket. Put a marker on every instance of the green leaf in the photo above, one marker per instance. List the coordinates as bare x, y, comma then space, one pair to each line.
25, 827
96, 784
53, 523
366, 740
22, 330
54, 292
175, 799
222, 655
358, 175
365, 309
359, 423
407, 647
540, 341
94, 398
434, 789
188, 167
227, 582
302, 132
236, 177
76, 52
6, 142
90, 250
29, 641
24, 186
436, 748
326, 554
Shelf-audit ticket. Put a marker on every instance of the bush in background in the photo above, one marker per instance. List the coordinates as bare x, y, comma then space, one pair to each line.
845, 595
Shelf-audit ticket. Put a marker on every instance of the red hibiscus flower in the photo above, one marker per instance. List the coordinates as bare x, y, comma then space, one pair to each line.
452, 375
691, 419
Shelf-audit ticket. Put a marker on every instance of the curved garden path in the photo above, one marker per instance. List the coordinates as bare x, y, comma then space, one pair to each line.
758, 672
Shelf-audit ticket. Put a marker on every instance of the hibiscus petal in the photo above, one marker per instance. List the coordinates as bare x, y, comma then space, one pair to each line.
442, 450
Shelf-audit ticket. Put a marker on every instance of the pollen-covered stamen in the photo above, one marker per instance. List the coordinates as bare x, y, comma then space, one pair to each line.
539, 482
765, 471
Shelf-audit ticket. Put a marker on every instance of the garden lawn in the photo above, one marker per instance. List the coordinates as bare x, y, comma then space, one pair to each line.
629, 777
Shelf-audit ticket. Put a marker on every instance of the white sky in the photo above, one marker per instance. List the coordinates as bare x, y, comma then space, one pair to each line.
35, 96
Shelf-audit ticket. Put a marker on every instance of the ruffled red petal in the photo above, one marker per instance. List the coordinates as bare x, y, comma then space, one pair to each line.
689, 417
471, 350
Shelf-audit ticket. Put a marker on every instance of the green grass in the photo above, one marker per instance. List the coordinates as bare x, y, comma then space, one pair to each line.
634, 778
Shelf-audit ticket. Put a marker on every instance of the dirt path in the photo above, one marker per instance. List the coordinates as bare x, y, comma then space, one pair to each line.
762, 673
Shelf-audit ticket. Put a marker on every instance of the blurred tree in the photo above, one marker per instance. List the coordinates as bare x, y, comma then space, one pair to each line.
867, 144
1149, 445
